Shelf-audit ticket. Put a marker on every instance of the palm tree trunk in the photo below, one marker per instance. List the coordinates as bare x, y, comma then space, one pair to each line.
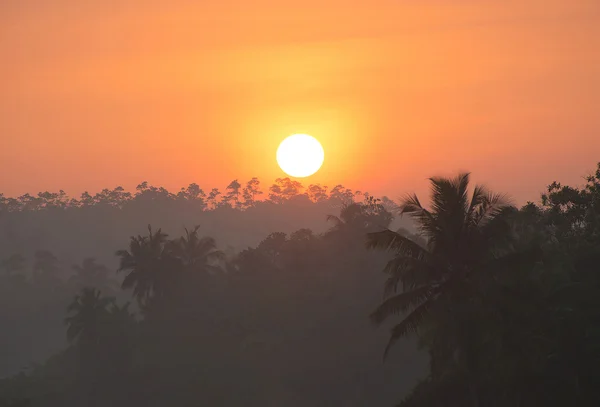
469, 362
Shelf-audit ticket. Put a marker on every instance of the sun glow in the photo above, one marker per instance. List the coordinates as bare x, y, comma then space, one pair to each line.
300, 155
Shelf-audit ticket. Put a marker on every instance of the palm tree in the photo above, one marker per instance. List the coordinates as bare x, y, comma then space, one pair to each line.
94, 325
145, 262
441, 280
121, 330
196, 254
89, 311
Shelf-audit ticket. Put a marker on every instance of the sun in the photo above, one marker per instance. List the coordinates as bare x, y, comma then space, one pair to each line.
300, 155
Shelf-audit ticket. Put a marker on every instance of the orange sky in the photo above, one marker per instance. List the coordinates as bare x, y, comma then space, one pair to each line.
173, 92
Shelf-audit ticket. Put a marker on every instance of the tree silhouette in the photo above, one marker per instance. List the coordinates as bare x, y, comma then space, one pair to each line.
88, 313
273, 246
197, 254
232, 196
193, 193
212, 199
145, 265
341, 196
317, 193
284, 189
440, 281
361, 218
250, 192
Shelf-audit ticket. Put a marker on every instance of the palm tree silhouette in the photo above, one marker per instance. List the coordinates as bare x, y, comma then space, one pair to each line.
89, 312
440, 279
196, 254
145, 262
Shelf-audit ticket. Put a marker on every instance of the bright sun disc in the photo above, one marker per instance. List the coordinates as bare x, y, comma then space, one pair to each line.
300, 155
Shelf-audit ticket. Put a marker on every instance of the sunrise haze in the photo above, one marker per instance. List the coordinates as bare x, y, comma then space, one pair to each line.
100, 94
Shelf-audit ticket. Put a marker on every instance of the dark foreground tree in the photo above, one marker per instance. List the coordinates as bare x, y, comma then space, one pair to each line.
441, 281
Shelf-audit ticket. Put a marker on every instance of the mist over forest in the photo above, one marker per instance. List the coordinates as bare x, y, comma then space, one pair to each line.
294, 295
98, 224
52, 246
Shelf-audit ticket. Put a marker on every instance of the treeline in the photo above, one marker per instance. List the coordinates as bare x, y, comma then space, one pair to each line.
236, 196
97, 225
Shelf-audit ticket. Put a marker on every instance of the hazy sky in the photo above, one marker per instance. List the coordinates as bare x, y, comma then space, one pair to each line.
99, 94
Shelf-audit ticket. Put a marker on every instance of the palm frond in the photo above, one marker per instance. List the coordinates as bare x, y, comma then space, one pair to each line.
409, 204
424, 219
206, 244
443, 193
73, 330
409, 325
480, 194
408, 270
122, 253
390, 286
461, 184
337, 222
129, 281
216, 255
452, 194
491, 206
393, 241
401, 303
450, 203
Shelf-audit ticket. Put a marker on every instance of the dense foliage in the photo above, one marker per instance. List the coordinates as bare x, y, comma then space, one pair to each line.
504, 302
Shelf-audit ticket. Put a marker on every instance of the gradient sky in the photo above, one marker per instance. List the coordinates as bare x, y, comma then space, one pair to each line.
99, 94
